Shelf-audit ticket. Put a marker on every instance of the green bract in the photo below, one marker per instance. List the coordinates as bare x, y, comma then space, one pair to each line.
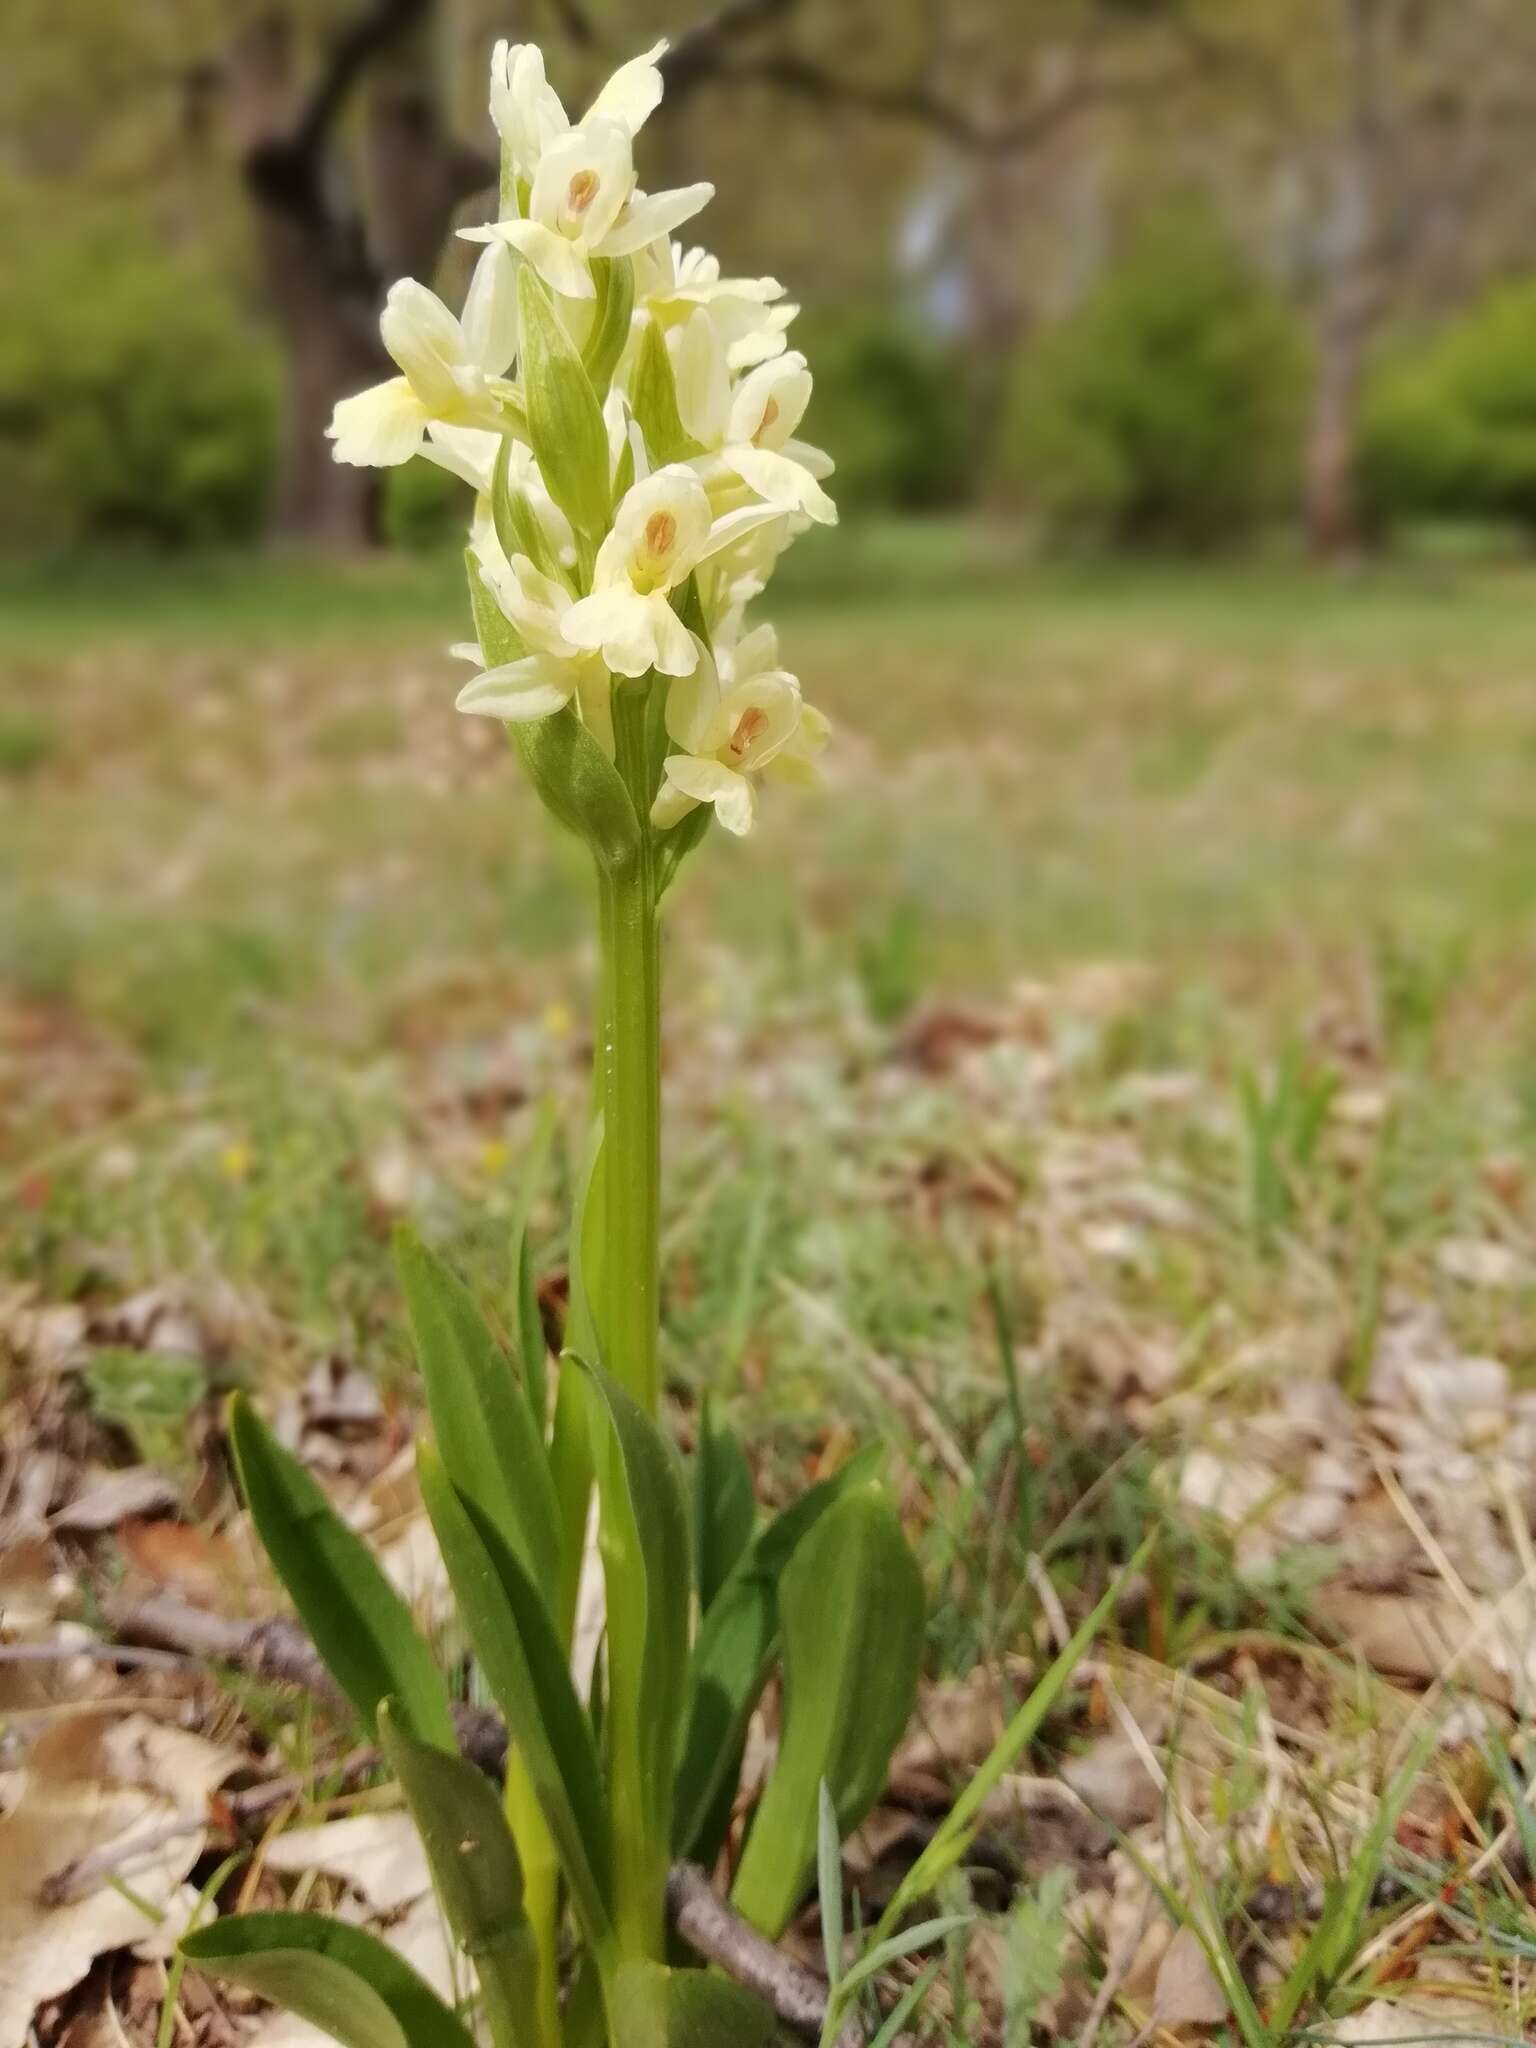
628, 420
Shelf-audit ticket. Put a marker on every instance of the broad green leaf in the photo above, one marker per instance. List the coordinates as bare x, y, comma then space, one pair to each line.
653, 399
565, 419
579, 786
731, 1659
949, 1841
339, 1978
484, 1426
643, 1536
724, 1514
615, 282
524, 1665
360, 1625
476, 1874
654, 2007
852, 1610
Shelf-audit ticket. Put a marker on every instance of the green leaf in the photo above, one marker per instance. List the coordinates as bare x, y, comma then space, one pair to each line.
829, 1883
565, 419
654, 2007
533, 1350
525, 1667
579, 785
852, 1610
498, 637
339, 1978
360, 1625
724, 1514
674, 846
653, 400
731, 1659
614, 278
476, 1874
643, 1535
484, 1427
903, 2010
518, 526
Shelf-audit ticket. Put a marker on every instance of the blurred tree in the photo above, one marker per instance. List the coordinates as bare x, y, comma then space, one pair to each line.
1428, 110
354, 165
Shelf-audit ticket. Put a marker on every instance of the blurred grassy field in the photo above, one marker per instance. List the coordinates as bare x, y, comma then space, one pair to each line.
286, 947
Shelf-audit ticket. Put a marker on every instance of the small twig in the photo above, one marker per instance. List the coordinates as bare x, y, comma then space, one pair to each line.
94, 1653
280, 1649
707, 1924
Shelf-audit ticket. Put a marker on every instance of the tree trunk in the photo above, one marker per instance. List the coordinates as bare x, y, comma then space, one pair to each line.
1334, 522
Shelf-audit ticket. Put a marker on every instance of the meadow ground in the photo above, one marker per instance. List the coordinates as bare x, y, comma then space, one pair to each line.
1115, 1089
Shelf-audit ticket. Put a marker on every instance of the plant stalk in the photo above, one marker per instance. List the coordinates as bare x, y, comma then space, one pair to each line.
630, 1081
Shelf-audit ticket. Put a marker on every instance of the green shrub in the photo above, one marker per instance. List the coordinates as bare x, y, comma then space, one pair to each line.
891, 409
1166, 408
136, 403
1450, 428
422, 507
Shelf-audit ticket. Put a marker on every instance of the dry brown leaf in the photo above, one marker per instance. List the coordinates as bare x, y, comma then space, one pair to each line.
102, 1499
379, 1855
1187, 1993
106, 1791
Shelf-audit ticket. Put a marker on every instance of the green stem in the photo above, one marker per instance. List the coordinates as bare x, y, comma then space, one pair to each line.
630, 1075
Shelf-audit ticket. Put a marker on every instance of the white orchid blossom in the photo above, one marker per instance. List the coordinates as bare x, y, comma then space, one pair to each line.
725, 734
583, 202
672, 285
551, 672
661, 532
749, 427
528, 112
450, 367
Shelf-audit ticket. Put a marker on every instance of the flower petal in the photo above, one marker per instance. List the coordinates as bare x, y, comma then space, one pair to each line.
380, 427
634, 92
520, 690
650, 214
711, 782
781, 481
558, 262
489, 320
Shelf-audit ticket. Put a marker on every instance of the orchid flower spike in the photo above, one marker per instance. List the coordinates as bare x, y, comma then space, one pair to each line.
636, 475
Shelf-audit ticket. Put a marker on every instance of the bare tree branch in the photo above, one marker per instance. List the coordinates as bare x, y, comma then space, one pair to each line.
354, 49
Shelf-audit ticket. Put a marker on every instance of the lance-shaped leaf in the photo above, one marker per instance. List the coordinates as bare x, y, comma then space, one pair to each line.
654, 2007
731, 1659
339, 1978
643, 1535
498, 638
476, 1874
724, 1515
360, 1625
614, 278
851, 1604
483, 1424
565, 420
653, 398
524, 1665
518, 526
533, 1350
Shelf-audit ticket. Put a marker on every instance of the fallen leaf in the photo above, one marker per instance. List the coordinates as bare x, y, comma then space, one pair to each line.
103, 1499
378, 1854
1187, 1993
94, 1789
